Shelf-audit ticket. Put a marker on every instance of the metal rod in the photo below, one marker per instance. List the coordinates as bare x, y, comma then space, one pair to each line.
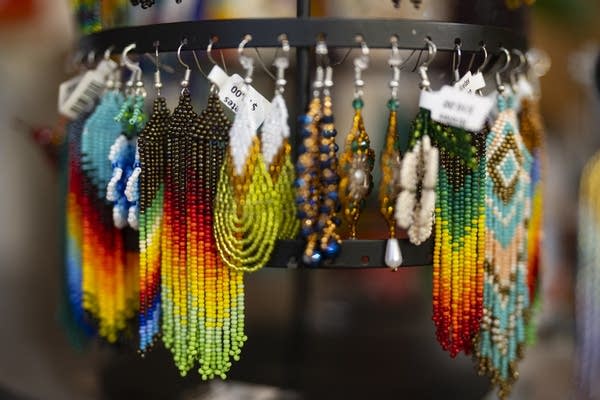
302, 31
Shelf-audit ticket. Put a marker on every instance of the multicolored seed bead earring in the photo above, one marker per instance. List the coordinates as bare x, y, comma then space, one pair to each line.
532, 132
246, 206
389, 186
588, 282
152, 150
174, 240
357, 161
418, 173
508, 191
458, 262
307, 170
276, 149
122, 153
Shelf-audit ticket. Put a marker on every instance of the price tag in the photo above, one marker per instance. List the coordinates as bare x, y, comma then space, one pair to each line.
463, 83
235, 91
451, 106
79, 94
471, 82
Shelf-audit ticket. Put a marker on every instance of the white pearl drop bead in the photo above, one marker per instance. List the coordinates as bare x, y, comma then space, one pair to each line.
393, 255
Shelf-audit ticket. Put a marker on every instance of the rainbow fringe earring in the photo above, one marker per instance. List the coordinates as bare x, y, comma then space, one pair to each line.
418, 172
152, 150
508, 196
458, 261
174, 239
358, 159
276, 149
116, 282
389, 186
588, 282
246, 207
217, 329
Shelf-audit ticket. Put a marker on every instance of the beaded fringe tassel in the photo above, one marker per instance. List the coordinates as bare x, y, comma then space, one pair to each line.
152, 151
459, 241
506, 299
588, 283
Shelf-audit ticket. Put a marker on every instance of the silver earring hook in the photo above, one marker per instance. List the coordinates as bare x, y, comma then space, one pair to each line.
425, 83
361, 63
246, 62
214, 39
499, 84
185, 83
486, 59
136, 72
456, 58
108, 52
395, 62
516, 71
281, 63
157, 81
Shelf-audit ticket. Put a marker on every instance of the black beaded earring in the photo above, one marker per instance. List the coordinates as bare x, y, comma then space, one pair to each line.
151, 146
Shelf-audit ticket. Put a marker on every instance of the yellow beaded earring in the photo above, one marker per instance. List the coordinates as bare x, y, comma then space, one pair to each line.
246, 206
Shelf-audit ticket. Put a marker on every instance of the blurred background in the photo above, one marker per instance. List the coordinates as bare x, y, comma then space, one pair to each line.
313, 334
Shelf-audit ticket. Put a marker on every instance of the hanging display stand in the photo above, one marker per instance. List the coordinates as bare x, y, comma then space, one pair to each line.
302, 33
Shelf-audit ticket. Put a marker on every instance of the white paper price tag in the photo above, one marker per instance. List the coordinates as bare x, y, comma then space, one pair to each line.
84, 96
457, 108
463, 83
471, 82
233, 93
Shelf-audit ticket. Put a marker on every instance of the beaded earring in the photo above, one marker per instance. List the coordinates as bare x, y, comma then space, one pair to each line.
587, 282
357, 161
389, 186
458, 258
246, 207
174, 239
78, 299
532, 132
508, 163
307, 171
418, 172
316, 168
151, 151
276, 149
216, 290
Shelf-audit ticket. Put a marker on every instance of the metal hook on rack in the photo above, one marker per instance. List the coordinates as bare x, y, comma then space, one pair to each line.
136, 72
425, 83
518, 69
456, 58
324, 64
214, 39
188, 72
281, 63
482, 49
395, 62
246, 62
361, 63
157, 81
499, 85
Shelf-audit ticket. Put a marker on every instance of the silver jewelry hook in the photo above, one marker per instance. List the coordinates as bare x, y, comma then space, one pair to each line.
456, 58
499, 84
516, 71
213, 40
246, 62
108, 52
425, 83
188, 72
157, 81
361, 63
395, 62
282, 62
136, 72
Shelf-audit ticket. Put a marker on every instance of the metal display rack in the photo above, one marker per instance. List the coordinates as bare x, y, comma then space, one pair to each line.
302, 33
